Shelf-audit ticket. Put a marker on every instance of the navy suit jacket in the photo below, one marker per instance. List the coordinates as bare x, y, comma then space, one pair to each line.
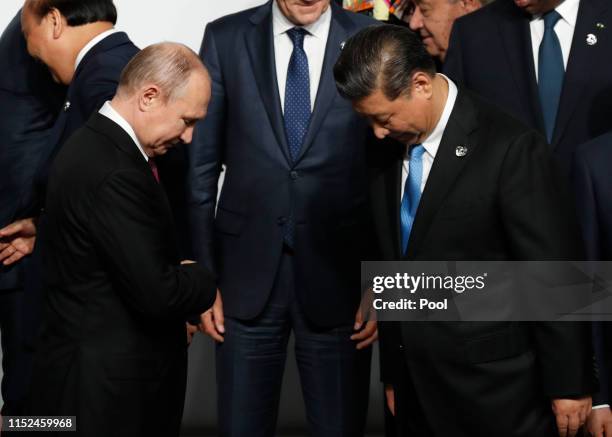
29, 102
594, 196
325, 187
95, 81
490, 53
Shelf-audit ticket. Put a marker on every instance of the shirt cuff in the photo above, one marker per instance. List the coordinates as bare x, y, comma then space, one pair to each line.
598, 407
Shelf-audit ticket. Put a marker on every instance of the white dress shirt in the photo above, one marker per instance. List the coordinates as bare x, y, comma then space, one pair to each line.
92, 43
432, 142
109, 112
314, 46
564, 29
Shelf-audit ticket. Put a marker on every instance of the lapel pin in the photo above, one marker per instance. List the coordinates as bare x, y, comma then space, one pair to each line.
600, 26
461, 151
591, 39
342, 45
66, 106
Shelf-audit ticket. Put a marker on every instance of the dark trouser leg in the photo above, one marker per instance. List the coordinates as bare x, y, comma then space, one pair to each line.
15, 360
250, 365
335, 377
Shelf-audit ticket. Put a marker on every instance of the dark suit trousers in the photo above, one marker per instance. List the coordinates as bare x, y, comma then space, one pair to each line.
16, 360
334, 376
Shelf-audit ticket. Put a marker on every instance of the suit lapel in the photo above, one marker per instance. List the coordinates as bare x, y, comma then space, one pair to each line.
260, 44
446, 168
582, 61
326, 93
516, 36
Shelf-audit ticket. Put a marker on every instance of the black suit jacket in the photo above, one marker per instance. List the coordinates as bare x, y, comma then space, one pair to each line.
490, 53
113, 346
29, 103
95, 81
325, 188
503, 201
594, 199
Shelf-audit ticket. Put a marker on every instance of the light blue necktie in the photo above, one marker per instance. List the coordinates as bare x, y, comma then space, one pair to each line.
550, 73
412, 193
297, 109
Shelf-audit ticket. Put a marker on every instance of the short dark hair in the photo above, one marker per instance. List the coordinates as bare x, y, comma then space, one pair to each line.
77, 12
381, 57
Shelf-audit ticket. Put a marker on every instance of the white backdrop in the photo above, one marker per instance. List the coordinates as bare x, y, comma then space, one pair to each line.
150, 21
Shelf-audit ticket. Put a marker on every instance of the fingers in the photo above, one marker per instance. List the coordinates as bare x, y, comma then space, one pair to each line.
358, 319
12, 229
562, 424
367, 336
217, 311
573, 425
210, 328
13, 258
390, 397
191, 330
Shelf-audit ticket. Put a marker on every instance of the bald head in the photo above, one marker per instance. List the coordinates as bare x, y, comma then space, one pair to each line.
163, 91
167, 65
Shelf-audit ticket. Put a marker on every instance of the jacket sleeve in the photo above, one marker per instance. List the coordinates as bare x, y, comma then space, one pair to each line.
587, 213
132, 243
541, 224
205, 159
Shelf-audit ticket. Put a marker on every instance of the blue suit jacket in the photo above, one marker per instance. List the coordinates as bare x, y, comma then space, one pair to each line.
95, 81
29, 102
491, 53
325, 188
594, 196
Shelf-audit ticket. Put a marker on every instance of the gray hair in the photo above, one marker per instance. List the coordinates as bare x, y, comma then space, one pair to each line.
167, 65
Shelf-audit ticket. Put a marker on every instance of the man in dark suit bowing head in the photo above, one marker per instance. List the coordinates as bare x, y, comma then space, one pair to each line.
464, 181
113, 350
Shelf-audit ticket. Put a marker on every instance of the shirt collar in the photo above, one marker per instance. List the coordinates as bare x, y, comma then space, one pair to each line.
91, 44
109, 112
281, 24
432, 142
568, 9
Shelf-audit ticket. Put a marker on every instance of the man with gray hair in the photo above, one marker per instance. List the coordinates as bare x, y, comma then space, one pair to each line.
113, 348
433, 21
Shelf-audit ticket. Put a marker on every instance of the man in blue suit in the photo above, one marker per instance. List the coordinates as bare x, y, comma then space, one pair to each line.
290, 224
544, 61
77, 41
594, 196
29, 103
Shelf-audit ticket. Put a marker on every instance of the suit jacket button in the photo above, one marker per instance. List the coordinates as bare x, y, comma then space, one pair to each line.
294, 175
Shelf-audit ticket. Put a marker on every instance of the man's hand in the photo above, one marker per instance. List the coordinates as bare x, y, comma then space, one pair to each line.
212, 320
599, 422
17, 241
191, 330
369, 334
571, 414
390, 397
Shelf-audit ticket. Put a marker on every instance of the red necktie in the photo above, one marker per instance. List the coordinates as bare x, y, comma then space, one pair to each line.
154, 169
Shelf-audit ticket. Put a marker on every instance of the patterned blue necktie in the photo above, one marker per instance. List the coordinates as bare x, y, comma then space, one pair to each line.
550, 73
297, 93
412, 193
297, 109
